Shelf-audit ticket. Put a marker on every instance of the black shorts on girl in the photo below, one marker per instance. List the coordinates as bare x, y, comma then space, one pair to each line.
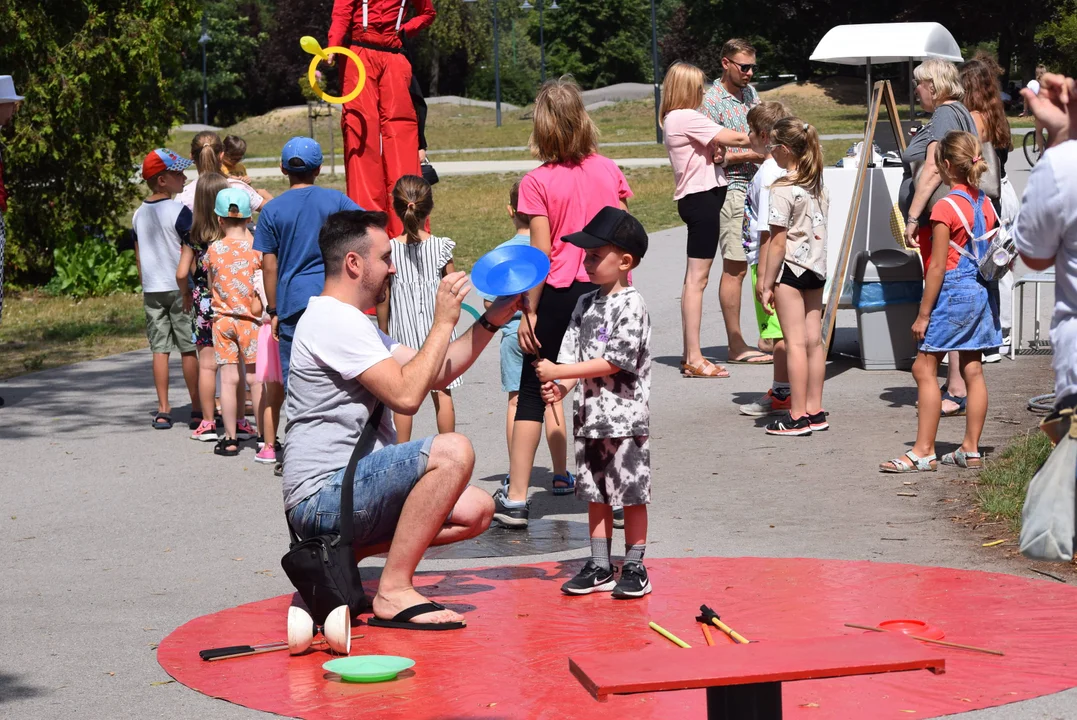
702, 212
807, 280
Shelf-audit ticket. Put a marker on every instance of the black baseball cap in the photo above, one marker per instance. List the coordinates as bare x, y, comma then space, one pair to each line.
612, 226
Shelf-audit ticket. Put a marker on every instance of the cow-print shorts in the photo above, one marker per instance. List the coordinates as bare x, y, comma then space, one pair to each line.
614, 471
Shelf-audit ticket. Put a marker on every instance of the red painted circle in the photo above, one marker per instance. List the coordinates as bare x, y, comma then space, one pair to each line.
919, 628
512, 659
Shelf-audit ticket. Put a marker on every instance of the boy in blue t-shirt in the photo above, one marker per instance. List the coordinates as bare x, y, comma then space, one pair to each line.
512, 363
287, 237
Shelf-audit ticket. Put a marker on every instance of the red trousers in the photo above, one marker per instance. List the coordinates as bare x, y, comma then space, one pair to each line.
380, 130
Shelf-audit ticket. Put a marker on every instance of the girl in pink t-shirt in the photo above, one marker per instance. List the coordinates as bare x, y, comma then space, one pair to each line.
559, 198
692, 141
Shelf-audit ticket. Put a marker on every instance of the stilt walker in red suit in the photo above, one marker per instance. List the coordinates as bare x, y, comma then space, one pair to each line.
381, 133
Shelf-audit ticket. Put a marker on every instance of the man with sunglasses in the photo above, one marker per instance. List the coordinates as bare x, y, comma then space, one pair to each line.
727, 103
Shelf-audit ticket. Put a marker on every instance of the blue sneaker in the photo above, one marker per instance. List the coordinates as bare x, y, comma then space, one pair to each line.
568, 485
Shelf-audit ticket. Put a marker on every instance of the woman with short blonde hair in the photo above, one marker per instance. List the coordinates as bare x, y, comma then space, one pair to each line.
943, 78
692, 140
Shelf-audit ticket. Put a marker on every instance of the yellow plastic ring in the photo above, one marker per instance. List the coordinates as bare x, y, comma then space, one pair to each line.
335, 99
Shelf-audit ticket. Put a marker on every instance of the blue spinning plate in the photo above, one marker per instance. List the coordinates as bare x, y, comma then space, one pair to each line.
510, 270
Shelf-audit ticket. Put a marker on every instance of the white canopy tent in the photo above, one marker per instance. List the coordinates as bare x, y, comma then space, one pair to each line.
886, 43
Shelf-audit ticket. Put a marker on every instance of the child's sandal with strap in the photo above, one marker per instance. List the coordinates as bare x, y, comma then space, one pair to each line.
960, 458
918, 464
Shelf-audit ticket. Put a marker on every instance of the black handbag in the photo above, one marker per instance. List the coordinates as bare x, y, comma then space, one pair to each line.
323, 568
429, 173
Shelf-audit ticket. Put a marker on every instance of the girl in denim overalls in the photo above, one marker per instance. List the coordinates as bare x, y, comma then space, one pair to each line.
959, 309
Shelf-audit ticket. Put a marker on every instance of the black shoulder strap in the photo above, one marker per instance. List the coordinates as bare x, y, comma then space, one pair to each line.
347, 489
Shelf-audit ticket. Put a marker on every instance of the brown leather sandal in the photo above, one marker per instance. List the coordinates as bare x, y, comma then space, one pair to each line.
705, 369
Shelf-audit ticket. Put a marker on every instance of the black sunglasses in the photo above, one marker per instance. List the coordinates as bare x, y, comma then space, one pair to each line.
746, 67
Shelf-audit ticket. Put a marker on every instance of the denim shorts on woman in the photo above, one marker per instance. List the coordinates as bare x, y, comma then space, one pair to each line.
383, 481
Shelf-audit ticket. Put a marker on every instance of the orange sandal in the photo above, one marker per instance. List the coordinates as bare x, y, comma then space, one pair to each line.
705, 369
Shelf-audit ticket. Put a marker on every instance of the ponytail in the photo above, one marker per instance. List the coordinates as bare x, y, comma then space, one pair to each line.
206, 149
965, 154
413, 201
802, 140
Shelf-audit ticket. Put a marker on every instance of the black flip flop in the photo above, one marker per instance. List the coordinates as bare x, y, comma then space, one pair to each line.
402, 620
162, 421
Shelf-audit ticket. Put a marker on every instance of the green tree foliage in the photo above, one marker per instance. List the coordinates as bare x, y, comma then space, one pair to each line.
100, 93
601, 42
280, 62
236, 36
1057, 42
93, 267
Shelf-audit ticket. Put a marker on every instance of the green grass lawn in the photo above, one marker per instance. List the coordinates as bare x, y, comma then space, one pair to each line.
1003, 482
41, 331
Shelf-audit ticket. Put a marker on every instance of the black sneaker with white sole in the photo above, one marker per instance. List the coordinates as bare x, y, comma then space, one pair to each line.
818, 421
786, 425
512, 516
590, 579
634, 582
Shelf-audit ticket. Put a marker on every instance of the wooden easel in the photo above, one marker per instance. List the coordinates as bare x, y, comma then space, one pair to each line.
881, 92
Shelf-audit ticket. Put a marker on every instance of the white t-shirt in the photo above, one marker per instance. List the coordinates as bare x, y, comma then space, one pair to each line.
1047, 228
757, 205
687, 136
160, 227
327, 407
187, 196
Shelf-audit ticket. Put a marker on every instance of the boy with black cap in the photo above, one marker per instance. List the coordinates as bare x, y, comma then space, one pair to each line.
608, 347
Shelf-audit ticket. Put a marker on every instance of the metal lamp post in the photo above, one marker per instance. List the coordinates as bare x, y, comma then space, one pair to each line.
654, 60
542, 37
205, 83
497, 64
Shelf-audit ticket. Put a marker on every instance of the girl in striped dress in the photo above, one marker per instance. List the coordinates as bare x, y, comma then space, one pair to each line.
421, 261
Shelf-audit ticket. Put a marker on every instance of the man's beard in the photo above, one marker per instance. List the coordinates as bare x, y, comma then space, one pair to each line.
379, 291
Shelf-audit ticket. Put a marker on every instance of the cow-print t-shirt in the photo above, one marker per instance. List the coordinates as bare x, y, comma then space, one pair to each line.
616, 328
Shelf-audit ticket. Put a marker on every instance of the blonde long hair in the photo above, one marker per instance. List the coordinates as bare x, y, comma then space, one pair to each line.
204, 227
802, 141
682, 89
206, 149
563, 132
965, 154
413, 201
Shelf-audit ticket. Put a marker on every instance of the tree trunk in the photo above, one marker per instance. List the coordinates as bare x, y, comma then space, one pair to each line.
1005, 55
435, 71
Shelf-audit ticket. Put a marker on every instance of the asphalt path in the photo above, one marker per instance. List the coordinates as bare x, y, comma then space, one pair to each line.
114, 534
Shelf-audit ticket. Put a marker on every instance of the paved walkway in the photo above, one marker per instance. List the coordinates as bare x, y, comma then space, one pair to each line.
114, 534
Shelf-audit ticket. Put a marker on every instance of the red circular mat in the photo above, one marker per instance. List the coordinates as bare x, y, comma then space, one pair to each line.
512, 659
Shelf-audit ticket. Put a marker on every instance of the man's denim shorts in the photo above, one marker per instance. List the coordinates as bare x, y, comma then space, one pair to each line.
383, 481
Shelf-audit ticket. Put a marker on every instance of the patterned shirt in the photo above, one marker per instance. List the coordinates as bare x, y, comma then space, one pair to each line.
232, 264
617, 329
731, 113
804, 218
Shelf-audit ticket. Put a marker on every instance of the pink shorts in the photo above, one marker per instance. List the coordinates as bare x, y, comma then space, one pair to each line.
267, 365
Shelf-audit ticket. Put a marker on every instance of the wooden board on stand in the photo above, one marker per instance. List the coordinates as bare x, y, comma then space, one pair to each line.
881, 93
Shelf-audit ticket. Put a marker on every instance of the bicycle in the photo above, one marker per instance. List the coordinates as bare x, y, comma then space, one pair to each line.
1033, 150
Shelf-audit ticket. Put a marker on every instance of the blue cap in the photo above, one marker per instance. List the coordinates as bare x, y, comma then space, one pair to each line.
301, 149
230, 198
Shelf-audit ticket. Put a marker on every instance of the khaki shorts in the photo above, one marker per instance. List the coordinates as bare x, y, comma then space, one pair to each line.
731, 226
167, 326
235, 338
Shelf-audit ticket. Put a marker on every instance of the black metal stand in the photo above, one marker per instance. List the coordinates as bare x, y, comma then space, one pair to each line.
759, 701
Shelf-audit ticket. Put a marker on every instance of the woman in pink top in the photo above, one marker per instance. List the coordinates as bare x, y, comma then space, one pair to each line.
559, 198
692, 140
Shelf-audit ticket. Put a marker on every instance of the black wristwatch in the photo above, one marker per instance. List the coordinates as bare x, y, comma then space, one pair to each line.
485, 322
271, 312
